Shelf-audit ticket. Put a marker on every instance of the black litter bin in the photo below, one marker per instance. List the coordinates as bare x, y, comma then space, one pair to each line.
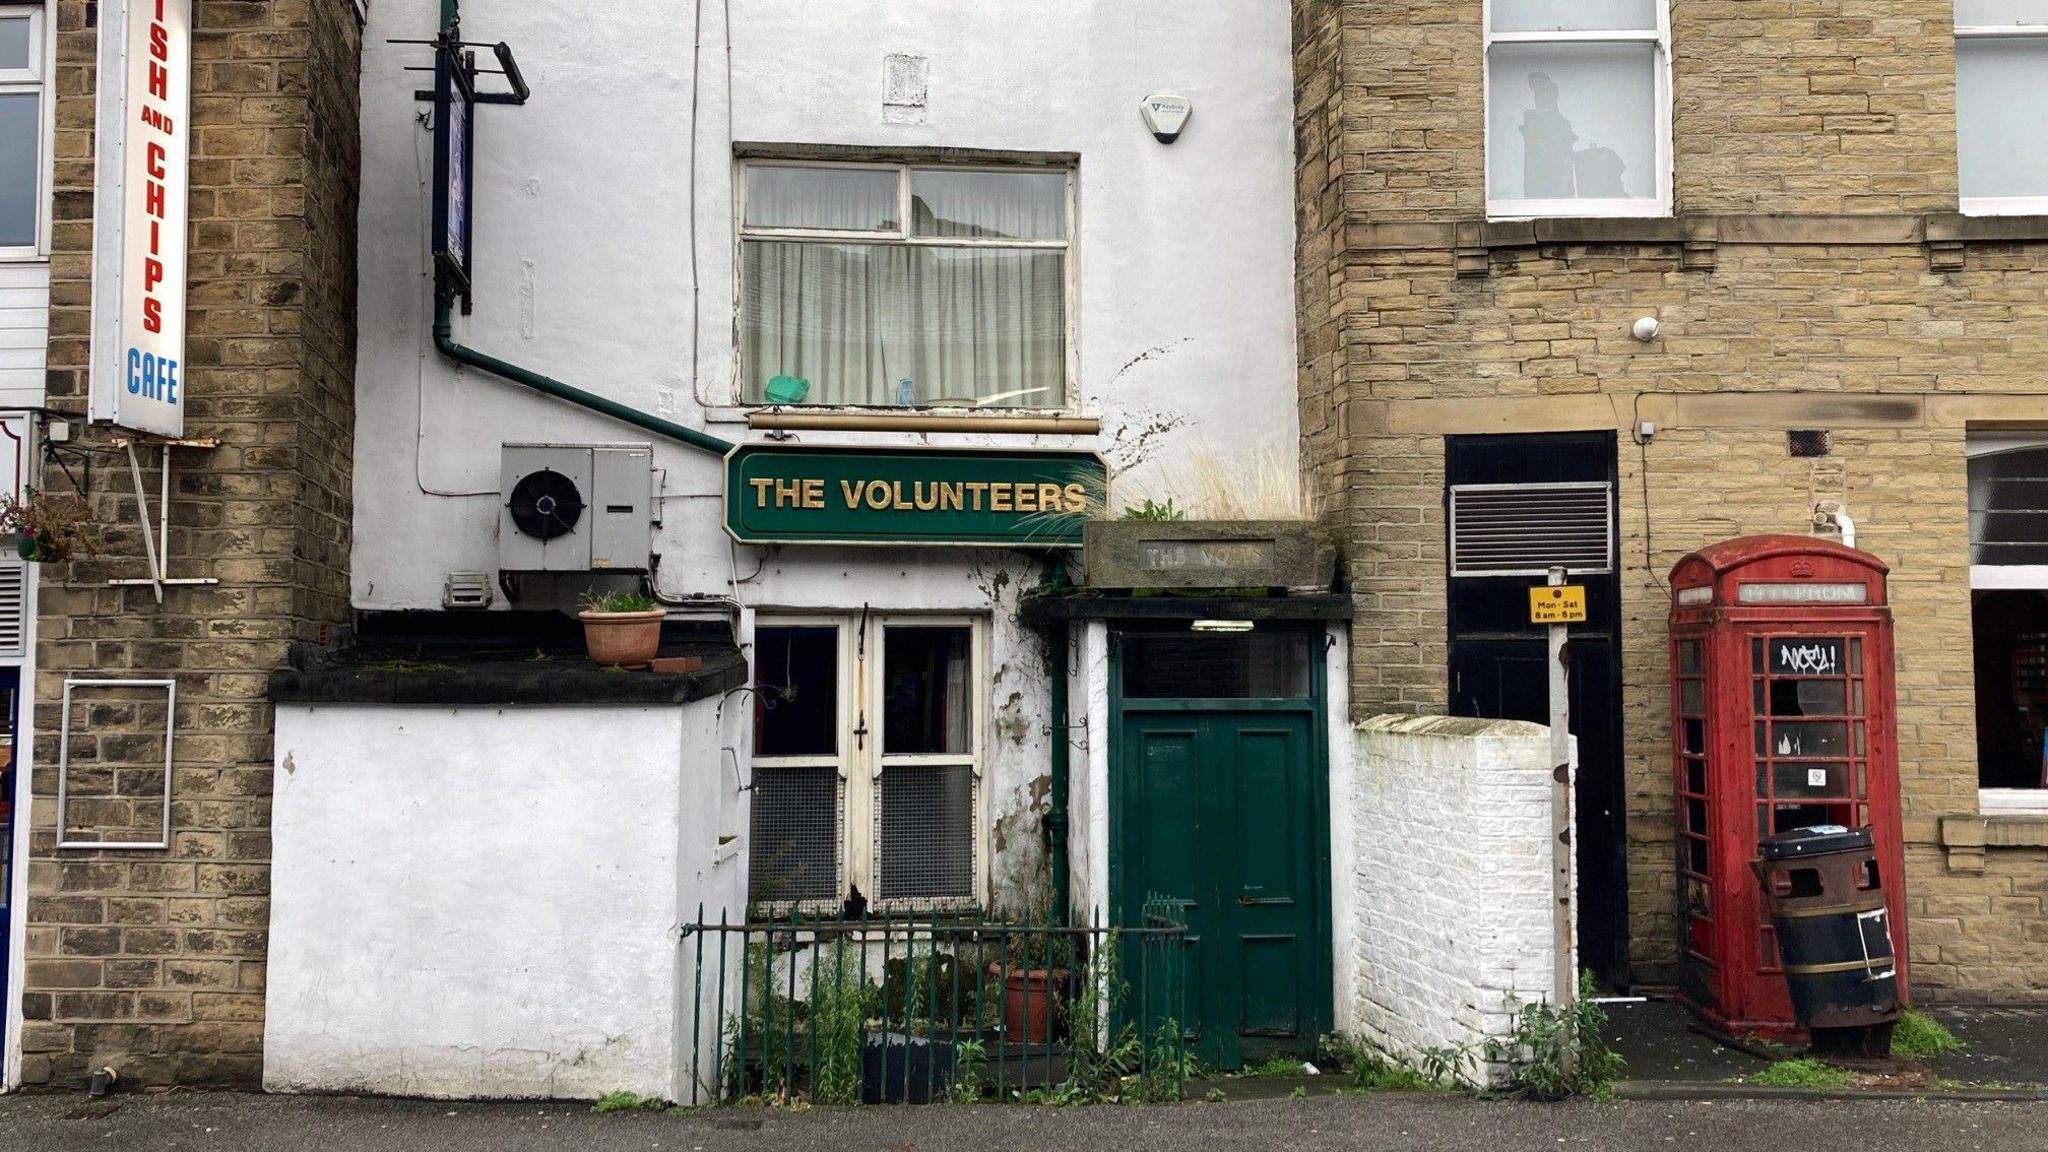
1826, 897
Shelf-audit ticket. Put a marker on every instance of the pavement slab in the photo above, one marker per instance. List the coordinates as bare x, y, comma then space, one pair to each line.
1388, 1122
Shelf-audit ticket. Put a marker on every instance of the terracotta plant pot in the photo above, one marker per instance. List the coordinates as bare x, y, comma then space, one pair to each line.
1028, 1006
627, 639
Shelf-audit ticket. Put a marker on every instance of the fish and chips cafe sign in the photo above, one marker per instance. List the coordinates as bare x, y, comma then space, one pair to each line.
811, 495
145, 141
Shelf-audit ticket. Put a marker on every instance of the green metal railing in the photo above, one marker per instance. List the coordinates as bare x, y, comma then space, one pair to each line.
918, 1008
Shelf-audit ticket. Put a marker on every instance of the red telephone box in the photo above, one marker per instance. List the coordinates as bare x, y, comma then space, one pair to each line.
1782, 717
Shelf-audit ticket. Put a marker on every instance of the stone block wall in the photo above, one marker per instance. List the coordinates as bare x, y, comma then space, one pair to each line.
1448, 941
1815, 275
153, 961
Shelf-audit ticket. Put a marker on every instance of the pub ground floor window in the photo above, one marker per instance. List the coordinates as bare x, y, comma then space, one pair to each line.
2009, 618
868, 756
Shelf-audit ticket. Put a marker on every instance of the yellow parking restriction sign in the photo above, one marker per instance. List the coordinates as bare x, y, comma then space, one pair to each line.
1557, 604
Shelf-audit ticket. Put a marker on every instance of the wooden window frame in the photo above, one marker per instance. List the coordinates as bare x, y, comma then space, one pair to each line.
901, 236
860, 761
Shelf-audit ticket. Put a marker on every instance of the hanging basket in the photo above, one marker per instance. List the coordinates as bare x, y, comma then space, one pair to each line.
41, 549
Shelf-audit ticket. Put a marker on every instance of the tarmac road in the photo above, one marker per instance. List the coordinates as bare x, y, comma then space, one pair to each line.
201, 1122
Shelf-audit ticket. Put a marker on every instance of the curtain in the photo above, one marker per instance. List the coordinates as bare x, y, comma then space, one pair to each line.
962, 326
971, 324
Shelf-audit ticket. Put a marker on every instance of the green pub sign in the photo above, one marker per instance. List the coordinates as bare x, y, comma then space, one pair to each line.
777, 494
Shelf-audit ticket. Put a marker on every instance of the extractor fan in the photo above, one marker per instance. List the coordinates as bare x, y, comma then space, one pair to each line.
575, 508
545, 504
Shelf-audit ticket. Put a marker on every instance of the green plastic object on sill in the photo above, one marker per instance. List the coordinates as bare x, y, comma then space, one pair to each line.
788, 390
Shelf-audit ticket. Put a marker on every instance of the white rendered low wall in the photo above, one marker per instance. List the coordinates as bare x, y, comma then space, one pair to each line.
484, 901
1450, 883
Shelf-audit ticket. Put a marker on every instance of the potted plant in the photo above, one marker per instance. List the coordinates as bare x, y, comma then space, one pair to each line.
622, 628
46, 528
1034, 975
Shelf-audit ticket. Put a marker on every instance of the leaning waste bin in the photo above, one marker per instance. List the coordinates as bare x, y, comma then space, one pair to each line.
1826, 896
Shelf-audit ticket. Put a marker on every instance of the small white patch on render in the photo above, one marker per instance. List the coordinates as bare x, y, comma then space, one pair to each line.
529, 307
906, 86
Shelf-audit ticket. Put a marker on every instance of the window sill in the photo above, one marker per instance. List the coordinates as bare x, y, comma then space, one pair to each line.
1019, 422
1966, 839
1523, 211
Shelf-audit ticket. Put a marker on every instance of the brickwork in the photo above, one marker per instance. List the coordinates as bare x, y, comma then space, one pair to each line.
1837, 119
154, 961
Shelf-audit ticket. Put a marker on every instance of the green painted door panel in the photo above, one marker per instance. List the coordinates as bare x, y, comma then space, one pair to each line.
1219, 808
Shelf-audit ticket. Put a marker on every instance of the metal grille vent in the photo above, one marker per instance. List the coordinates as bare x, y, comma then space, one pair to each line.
1803, 443
793, 852
1526, 529
927, 832
13, 609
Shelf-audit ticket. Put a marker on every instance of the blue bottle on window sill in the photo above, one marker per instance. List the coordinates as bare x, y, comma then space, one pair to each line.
906, 393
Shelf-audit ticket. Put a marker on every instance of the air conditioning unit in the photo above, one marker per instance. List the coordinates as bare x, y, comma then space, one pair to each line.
576, 508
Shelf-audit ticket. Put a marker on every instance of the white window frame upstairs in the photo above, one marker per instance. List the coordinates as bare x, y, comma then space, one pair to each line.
1647, 207
860, 761
2002, 205
901, 235
39, 77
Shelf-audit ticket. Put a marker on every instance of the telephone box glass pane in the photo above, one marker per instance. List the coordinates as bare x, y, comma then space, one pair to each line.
1691, 698
1856, 706
1806, 656
1689, 656
1862, 782
1809, 738
1696, 855
1797, 781
1762, 742
1757, 703
1807, 698
1756, 654
1696, 816
1859, 738
1696, 776
1790, 816
1695, 735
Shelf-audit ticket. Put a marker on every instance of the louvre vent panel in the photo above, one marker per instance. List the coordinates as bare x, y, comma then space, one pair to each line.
13, 609
1526, 529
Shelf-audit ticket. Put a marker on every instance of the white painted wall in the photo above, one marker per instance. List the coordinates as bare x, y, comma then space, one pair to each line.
1449, 881
484, 902
586, 257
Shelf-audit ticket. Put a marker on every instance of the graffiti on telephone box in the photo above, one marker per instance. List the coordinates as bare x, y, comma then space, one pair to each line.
1806, 656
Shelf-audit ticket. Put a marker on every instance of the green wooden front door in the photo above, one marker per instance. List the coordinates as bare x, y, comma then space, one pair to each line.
1220, 803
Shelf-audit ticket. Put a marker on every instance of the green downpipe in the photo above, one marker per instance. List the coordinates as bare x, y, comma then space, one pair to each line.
444, 339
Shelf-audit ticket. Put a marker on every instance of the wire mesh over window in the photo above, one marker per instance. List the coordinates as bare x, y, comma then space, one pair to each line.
927, 832
793, 851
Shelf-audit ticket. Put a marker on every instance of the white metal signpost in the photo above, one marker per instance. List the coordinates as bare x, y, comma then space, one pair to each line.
1560, 605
